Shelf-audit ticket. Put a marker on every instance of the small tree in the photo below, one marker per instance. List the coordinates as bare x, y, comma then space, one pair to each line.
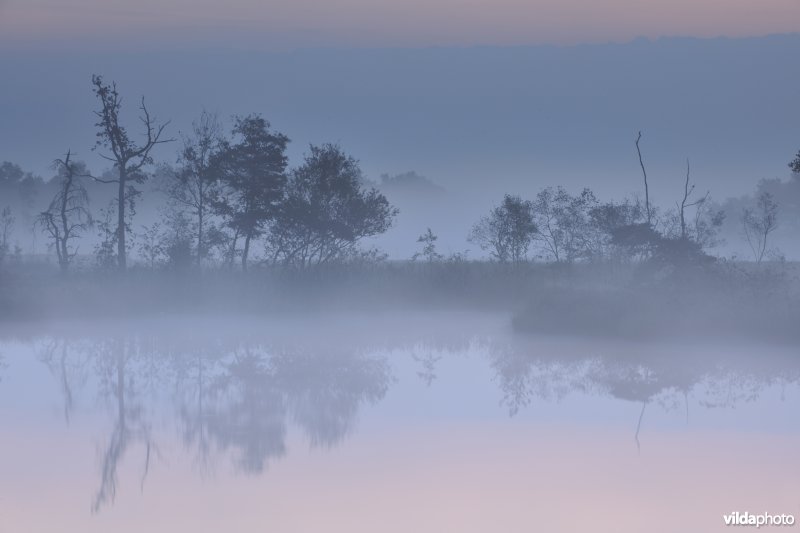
507, 231
150, 245
428, 241
758, 223
129, 158
176, 241
67, 216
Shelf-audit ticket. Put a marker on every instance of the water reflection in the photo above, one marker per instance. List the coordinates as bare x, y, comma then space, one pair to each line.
242, 400
642, 375
231, 397
239, 396
122, 370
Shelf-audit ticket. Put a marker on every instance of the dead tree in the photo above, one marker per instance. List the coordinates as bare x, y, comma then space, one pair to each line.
128, 157
646, 189
68, 215
685, 203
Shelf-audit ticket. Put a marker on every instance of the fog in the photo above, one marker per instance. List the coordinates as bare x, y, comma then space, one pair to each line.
431, 289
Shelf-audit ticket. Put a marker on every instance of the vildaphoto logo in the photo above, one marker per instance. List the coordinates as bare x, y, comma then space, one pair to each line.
765, 519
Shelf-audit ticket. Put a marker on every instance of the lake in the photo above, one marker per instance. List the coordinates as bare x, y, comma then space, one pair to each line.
395, 422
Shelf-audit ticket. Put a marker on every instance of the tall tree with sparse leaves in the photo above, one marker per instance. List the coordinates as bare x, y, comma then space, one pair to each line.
128, 157
197, 179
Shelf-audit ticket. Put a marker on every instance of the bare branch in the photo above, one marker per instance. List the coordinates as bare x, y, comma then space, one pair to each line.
644, 173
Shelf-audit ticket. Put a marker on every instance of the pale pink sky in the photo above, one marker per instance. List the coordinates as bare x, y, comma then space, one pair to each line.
391, 22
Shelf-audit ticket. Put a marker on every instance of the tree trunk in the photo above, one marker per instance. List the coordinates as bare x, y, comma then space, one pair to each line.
200, 250
245, 252
121, 255
61, 244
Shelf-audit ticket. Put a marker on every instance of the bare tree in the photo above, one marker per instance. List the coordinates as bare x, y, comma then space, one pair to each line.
197, 181
685, 203
646, 189
129, 158
68, 215
758, 223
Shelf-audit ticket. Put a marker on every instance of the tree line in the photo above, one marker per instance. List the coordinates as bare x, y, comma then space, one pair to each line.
227, 191
232, 189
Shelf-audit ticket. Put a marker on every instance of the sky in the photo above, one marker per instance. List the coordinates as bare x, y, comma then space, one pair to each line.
370, 23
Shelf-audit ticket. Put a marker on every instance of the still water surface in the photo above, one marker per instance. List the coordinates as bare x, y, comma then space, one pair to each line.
423, 422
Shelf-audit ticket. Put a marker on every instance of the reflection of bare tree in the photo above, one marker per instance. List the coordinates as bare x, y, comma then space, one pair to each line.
115, 365
68, 366
427, 360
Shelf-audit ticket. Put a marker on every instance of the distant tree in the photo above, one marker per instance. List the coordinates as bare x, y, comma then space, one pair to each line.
429, 253
67, 216
10, 175
564, 223
507, 231
129, 158
7, 221
410, 183
758, 223
795, 164
17, 186
252, 175
177, 240
19, 190
150, 245
327, 211
197, 179
105, 249
606, 220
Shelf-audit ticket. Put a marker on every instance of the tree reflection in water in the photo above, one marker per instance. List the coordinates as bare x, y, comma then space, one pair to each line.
526, 372
237, 397
234, 398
